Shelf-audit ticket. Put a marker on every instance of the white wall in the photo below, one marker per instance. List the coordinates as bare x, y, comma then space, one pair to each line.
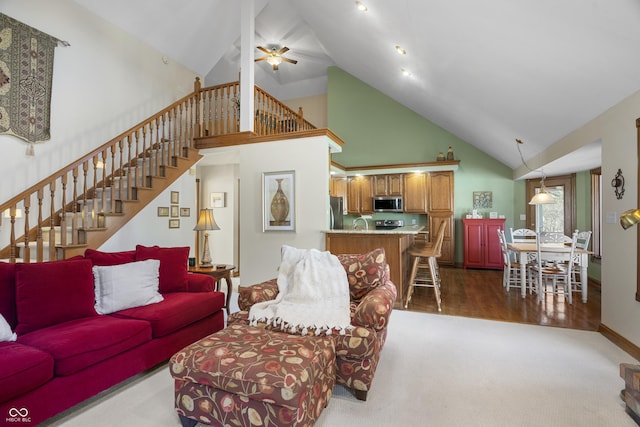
308, 157
617, 130
103, 84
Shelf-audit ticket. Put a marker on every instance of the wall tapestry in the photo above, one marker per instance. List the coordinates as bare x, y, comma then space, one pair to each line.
26, 71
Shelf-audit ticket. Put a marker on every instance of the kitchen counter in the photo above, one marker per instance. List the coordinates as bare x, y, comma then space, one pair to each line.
395, 242
409, 229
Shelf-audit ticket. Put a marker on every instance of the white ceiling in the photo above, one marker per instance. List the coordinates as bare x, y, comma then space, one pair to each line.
487, 71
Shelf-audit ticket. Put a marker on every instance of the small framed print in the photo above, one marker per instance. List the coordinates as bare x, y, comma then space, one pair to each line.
175, 211
185, 212
175, 197
482, 199
163, 211
218, 200
174, 223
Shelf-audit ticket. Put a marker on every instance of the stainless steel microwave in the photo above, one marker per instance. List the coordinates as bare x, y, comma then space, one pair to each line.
387, 204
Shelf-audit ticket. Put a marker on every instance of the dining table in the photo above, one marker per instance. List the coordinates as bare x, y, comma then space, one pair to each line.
551, 252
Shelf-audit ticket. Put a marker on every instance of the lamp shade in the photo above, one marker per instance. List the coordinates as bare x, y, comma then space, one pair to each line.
542, 198
630, 218
206, 221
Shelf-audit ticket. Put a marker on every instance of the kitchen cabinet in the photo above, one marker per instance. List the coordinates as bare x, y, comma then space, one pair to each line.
481, 243
338, 188
415, 193
359, 195
440, 194
387, 185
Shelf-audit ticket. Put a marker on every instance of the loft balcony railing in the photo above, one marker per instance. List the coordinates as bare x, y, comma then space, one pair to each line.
76, 202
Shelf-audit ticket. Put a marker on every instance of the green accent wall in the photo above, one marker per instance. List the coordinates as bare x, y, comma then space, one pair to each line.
378, 131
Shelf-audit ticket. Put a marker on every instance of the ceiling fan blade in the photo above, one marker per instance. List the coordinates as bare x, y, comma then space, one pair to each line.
261, 59
293, 61
283, 50
267, 51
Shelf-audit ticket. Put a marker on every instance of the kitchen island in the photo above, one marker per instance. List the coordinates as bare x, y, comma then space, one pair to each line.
395, 243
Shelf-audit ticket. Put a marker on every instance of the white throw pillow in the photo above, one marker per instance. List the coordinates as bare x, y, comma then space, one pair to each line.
126, 285
6, 334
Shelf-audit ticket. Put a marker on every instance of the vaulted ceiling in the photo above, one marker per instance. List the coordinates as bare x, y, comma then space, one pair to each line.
487, 71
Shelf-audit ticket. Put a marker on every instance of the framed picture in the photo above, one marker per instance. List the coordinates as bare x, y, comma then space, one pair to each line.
482, 200
175, 197
218, 200
163, 211
174, 223
278, 201
175, 211
185, 212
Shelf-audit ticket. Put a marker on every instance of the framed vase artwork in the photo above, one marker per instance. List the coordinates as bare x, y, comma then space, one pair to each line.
278, 201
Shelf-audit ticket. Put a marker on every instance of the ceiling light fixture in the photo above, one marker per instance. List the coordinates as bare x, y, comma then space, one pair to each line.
274, 60
543, 197
361, 7
405, 73
400, 50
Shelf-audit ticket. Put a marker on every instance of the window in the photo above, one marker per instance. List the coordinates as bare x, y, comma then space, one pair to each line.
555, 217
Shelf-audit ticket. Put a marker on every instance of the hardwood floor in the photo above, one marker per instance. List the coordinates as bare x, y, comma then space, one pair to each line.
480, 294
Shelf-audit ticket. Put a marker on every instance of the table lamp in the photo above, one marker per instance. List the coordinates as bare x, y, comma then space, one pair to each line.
206, 223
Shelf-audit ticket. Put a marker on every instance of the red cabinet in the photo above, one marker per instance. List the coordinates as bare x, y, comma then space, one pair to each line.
481, 244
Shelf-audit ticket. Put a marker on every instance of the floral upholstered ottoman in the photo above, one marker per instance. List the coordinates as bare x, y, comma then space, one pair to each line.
243, 376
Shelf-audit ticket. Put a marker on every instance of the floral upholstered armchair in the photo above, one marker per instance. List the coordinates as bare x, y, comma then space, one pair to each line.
372, 296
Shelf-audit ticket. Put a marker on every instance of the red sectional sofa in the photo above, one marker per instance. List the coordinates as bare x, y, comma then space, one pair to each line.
66, 352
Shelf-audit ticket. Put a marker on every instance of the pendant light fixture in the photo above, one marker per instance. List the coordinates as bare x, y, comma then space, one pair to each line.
543, 197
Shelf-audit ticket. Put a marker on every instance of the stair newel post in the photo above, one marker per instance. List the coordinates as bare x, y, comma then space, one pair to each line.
27, 250
39, 236
52, 215
74, 208
300, 119
171, 134
128, 171
153, 165
94, 195
145, 157
114, 196
179, 133
137, 174
103, 156
215, 119
162, 141
63, 211
12, 238
190, 128
227, 110
197, 87
85, 172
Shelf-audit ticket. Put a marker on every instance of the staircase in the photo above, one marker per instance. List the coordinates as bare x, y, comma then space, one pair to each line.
85, 203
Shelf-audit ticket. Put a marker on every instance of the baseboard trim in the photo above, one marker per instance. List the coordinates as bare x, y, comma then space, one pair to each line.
620, 341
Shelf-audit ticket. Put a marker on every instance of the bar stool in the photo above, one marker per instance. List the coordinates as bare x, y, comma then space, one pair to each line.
425, 265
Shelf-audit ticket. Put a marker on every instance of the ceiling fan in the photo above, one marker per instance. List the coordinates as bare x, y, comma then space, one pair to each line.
274, 56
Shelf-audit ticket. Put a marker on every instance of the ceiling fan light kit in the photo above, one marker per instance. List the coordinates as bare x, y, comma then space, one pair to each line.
274, 56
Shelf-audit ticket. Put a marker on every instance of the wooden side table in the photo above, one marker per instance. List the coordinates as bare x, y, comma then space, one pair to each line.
218, 273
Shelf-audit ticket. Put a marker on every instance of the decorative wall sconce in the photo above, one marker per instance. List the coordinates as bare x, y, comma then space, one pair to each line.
618, 184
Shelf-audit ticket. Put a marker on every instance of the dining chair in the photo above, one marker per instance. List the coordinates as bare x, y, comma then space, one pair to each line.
553, 277
511, 268
522, 235
582, 243
554, 237
425, 271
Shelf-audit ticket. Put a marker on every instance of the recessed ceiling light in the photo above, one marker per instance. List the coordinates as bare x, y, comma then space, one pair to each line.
405, 73
361, 7
400, 50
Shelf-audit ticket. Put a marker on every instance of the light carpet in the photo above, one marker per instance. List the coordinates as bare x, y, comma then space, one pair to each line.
436, 370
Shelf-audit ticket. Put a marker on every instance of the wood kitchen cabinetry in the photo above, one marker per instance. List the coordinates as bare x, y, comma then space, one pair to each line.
481, 243
387, 185
415, 193
439, 207
359, 195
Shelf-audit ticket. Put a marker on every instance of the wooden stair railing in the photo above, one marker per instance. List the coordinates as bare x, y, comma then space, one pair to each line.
86, 202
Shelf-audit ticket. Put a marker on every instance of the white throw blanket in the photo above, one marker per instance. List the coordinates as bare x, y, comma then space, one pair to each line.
313, 293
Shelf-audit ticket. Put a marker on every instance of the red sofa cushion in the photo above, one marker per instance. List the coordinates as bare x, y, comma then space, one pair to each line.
177, 310
364, 271
49, 293
22, 368
173, 265
110, 258
8, 293
80, 343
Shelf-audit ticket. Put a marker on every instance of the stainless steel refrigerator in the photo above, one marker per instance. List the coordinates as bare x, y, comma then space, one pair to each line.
336, 213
